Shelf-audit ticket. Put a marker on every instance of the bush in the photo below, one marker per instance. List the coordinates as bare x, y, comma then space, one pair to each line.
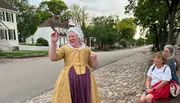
120, 47
42, 42
113, 47
123, 43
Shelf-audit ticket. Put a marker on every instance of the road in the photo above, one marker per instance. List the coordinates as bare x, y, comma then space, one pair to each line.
26, 78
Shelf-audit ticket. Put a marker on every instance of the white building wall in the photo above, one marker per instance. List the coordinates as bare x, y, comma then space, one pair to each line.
25, 47
29, 40
12, 25
6, 44
45, 32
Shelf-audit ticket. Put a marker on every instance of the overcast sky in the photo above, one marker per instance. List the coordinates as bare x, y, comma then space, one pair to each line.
97, 7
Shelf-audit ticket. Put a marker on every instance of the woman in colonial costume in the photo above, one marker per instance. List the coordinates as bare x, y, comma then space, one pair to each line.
75, 83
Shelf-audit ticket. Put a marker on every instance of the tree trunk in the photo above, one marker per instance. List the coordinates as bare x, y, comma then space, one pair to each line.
171, 32
157, 38
172, 11
163, 34
163, 39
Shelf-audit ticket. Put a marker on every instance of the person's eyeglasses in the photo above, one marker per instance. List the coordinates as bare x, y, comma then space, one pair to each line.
166, 51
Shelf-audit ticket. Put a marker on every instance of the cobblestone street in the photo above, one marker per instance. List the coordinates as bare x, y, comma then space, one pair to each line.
119, 82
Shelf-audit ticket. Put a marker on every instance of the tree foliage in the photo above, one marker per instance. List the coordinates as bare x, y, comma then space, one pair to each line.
158, 16
30, 17
78, 15
54, 6
104, 30
27, 20
109, 29
140, 42
126, 29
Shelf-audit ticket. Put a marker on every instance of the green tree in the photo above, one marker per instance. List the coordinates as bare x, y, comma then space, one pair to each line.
88, 31
123, 43
54, 6
126, 29
158, 16
27, 20
140, 41
104, 31
78, 15
42, 15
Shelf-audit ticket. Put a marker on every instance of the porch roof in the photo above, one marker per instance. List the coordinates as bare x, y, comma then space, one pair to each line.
6, 5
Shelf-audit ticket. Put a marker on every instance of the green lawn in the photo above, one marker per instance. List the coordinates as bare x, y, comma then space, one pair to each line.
23, 53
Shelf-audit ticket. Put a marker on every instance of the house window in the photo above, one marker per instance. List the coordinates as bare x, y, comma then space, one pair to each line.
8, 16
6, 34
12, 17
32, 40
1, 15
11, 36
2, 35
14, 33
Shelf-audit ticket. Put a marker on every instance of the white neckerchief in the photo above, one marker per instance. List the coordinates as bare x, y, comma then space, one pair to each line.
82, 46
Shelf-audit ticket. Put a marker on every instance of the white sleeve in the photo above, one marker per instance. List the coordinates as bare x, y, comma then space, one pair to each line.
149, 73
167, 74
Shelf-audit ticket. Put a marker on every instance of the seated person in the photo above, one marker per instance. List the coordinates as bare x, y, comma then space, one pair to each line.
158, 76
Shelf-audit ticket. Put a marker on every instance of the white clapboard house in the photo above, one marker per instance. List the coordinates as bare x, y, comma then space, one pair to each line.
45, 30
8, 27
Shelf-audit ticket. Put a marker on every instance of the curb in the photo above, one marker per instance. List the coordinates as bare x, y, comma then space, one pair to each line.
21, 57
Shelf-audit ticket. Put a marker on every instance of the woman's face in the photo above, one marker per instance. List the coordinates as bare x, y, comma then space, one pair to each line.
157, 60
73, 39
166, 52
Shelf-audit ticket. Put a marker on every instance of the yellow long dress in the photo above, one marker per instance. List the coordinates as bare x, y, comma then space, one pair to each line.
80, 59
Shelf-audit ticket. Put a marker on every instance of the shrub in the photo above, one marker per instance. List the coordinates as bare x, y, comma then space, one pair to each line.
42, 42
123, 43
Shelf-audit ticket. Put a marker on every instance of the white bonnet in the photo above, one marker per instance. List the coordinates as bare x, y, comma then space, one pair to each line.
78, 32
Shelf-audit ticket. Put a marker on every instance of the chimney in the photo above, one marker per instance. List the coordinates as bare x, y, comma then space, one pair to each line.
56, 19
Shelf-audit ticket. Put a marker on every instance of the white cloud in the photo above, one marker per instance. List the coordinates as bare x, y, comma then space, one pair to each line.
98, 7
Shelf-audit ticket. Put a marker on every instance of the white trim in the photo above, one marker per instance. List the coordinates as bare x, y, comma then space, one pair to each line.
8, 10
26, 47
1, 22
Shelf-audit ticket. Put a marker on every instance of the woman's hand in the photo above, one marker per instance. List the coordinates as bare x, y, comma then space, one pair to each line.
54, 37
93, 55
149, 90
93, 59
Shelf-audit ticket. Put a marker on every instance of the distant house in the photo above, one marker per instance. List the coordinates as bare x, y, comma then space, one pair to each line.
45, 30
8, 27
